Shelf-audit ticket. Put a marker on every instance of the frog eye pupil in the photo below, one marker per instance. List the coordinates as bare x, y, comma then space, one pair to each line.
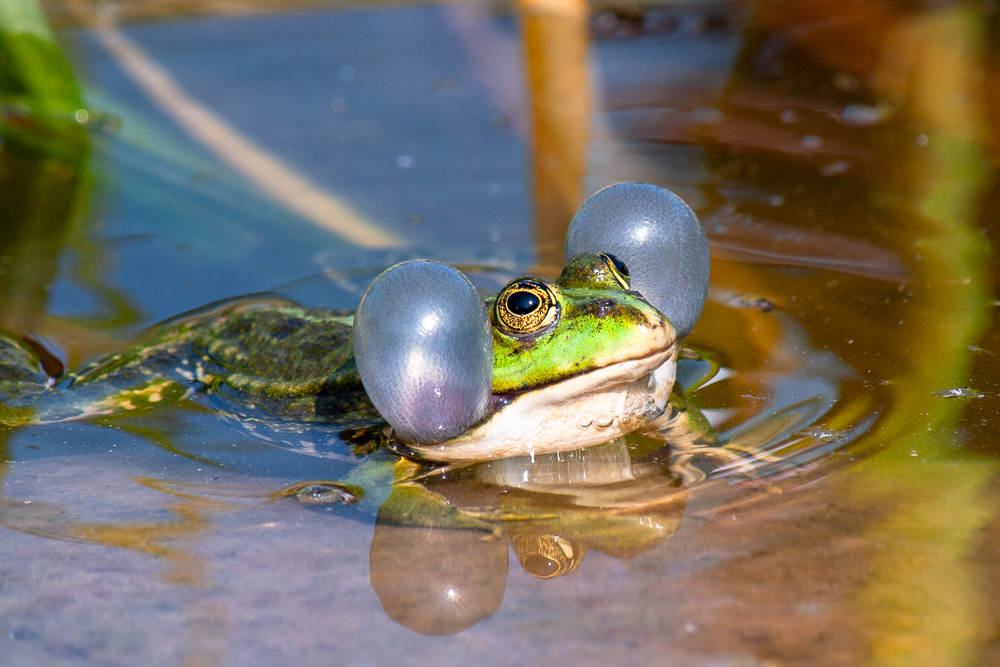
523, 303
620, 265
526, 306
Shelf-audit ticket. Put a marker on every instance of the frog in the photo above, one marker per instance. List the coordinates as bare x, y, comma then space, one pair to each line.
270, 355
574, 361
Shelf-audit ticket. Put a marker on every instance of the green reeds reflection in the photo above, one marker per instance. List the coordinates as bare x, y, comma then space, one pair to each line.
921, 602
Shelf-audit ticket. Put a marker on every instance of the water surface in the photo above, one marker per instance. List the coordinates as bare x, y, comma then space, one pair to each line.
841, 161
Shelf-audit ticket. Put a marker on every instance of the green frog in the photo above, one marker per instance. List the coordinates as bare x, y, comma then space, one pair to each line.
575, 362
587, 332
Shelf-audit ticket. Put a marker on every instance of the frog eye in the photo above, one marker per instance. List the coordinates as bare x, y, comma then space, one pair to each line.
424, 349
658, 236
526, 306
618, 268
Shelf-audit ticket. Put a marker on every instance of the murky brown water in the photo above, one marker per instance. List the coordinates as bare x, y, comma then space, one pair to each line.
841, 158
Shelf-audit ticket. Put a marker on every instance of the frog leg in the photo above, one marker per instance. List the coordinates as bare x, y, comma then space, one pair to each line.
138, 378
21, 380
387, 487
696, 452
694, 444
154, 371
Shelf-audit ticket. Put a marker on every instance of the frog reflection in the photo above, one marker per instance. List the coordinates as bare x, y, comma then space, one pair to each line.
541, 367
439, 555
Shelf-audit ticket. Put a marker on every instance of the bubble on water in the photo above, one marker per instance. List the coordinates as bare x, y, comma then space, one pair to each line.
323, 494
757, 303
345, 73
406, 161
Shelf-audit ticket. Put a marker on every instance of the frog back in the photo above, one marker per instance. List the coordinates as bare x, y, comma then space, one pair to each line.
286, 359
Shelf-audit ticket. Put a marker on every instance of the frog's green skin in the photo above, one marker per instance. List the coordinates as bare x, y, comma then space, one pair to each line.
267, 354
601, 323
297, 363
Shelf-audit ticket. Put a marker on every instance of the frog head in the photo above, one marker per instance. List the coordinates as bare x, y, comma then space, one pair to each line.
545, 332
573, 364
540, 367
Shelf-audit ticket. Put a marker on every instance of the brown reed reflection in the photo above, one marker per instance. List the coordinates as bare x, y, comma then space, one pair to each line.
170, 540
555, 37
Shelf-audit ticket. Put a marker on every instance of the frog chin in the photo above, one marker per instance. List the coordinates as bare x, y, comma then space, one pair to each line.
584, 410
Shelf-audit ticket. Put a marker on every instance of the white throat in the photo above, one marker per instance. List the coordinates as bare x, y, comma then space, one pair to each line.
577, 412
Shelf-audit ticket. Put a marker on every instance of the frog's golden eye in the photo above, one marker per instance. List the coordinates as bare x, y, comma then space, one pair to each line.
618, 268
525, 306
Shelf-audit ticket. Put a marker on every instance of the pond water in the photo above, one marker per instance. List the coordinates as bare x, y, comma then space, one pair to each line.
841, 159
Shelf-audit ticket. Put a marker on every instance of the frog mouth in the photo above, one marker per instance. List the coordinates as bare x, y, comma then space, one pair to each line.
598, 377
576, 412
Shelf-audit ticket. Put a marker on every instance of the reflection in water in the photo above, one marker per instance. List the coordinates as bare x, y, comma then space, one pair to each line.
546, 556
41, 187
271, 175
38, 193
937, 70
439, 554
839, 163
437, 581
45, 148
555, 40
190, 509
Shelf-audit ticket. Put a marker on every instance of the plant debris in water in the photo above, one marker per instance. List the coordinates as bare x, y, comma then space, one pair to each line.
961, 392
826, 435
759, 303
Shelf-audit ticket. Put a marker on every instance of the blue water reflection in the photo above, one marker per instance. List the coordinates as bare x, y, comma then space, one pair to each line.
413, 141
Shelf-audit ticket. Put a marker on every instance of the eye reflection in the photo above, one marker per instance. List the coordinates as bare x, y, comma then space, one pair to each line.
546, 556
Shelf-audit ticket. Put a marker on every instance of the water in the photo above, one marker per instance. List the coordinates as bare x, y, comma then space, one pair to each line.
841, 164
